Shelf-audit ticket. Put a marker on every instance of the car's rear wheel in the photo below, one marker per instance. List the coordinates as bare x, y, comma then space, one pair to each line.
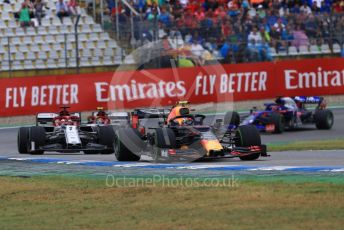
247, 136
231, 118
37, 136
23, 140
107, 138
324, 119
128, 144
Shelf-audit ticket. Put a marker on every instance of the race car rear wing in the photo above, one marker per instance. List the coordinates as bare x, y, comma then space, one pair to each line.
119, 118
47, 118
151, 113
138, 114
114, 115
309, 100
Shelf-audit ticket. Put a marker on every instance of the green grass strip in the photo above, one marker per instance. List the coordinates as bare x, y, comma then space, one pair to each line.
307, 145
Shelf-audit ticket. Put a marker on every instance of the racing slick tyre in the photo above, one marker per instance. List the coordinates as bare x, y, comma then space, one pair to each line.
278, 121
37, 135
164, 138
128, 144
107, 137
23, 140
232, 118
246, 136
324, 119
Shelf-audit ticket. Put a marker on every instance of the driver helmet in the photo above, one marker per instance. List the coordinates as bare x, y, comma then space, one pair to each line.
178, 111
64, 113
279, 100
101, 113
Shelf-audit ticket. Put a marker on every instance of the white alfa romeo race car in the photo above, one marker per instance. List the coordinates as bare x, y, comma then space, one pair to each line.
64, 132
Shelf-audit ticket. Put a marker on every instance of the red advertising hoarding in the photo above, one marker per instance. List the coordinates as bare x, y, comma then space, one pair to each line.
162, 87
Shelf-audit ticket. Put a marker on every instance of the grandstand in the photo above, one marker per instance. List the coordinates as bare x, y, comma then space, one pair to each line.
52, 45
228, 31
225, 29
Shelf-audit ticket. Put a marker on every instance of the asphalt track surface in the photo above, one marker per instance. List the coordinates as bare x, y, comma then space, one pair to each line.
8, 148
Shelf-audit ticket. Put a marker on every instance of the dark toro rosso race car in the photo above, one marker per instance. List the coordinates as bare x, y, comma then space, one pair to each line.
182, 136
291, 112
64, 132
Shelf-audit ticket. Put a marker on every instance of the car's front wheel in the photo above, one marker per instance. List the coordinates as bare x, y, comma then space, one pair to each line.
37, 137
23, 140
128, 145
107, 138
278, 121
247, 136
164, 138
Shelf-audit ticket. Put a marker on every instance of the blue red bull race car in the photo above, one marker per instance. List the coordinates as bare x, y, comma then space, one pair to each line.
291, 113
179, 135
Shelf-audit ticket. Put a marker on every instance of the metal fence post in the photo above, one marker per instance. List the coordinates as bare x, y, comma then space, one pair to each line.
66, 50
117, 20
9, 57
94, 10
132, 24
77, 44
101, 13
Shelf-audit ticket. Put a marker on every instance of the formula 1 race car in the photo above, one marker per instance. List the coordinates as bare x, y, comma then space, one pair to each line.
63, 132
291, 112
182, 136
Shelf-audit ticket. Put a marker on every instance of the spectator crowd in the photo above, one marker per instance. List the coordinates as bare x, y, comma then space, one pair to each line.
37, 9
240, 30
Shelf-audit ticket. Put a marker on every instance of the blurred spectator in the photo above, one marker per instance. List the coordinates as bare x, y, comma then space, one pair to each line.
200, 15
73, 7
255, 36
295, 9
265, 35
184, 62
196, 48
224, 51
317, 2
305, 8
325, 8
230, 25
110, 4
338, 6
61, 10
287, 34
39, 12
311, 26
300, 37
261, 12
31, 8
252, 51
279, 25
164, 17
24, 16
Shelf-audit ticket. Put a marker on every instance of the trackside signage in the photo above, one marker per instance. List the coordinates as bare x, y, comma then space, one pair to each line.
129, 89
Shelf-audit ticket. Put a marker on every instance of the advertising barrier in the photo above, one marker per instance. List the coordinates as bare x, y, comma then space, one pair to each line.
162, 87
